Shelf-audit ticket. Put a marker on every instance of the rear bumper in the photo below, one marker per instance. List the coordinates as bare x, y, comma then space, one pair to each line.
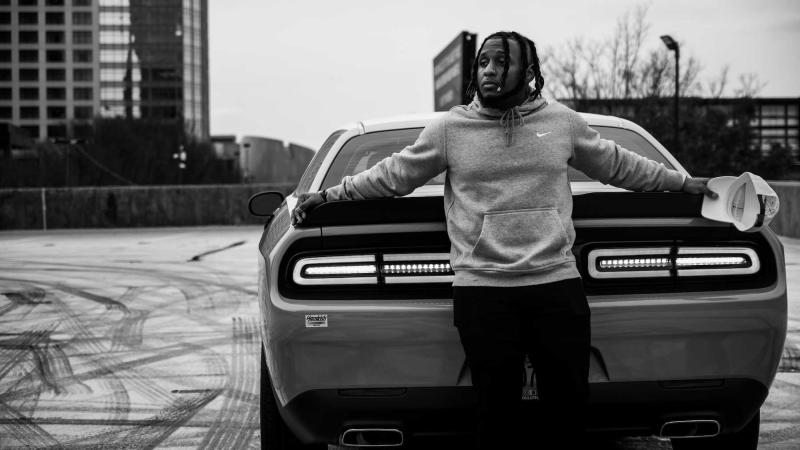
631, 408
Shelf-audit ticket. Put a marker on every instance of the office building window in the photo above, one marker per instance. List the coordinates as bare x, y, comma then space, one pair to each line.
28, 37
5, 18
5, 93
82, 130
55, 131
55, 55
83, 112
81, 37
82, 56
29, 112
82, 93
5, 37
54, 18
81, 2
5, 74
56, 112
29, 93
31, 130
82, 18
54, 37
5, 112
54, 2
28, 74
28, 2
56, 75
115, 18
56, 93
28, 18
29, 56
5, 55
82, 75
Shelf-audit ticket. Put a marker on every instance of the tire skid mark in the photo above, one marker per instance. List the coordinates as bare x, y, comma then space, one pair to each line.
22, 429
108, 302
250, 380
86, 342
172, 278
21, 345
55, 373
56, 370
128, 332
28, 299
148, 433
118, 367
790, 359
225, 432
781, 435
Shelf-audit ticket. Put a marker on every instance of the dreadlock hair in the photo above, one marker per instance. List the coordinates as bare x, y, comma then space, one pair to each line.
526, 46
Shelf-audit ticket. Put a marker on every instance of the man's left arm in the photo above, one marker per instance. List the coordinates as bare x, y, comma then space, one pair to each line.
612, 164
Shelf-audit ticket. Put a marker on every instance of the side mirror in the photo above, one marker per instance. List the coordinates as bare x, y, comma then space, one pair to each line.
264, 204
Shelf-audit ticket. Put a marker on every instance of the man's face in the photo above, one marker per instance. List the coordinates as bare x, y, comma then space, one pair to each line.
491, 63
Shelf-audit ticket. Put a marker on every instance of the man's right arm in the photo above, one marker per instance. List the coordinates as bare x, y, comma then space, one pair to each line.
400, 173
396, 175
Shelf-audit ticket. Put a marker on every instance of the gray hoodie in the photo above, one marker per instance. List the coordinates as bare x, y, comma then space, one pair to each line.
507, 196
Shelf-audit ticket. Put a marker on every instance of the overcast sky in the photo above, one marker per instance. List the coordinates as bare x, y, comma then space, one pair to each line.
297, 69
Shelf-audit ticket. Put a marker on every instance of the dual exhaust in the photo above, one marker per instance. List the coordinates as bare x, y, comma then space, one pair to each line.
392, 437
371, 437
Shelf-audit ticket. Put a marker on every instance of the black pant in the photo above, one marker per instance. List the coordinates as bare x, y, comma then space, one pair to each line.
550, 323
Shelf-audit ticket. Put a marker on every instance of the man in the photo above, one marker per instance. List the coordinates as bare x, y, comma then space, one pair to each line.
517, 290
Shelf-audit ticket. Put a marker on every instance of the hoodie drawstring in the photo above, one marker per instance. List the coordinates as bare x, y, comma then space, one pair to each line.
510, 119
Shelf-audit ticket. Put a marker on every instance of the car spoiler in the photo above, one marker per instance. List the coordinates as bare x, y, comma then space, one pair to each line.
431, 209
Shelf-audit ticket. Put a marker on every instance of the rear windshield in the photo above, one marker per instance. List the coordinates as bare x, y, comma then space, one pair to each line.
362, 152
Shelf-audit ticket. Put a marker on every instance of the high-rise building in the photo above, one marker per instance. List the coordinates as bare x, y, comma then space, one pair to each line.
65, 62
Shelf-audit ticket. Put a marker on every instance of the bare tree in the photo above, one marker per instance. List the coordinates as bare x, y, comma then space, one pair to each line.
619, 67
750, 85
716, 87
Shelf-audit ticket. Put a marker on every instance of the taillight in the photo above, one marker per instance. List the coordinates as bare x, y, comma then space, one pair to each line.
373, 269
657, 262
350, 269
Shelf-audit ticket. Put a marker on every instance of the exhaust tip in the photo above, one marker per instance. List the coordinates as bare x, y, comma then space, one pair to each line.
371, 437
695, 428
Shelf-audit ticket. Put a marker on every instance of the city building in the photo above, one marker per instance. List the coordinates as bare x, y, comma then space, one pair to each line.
773, 121
265, 160
65, 62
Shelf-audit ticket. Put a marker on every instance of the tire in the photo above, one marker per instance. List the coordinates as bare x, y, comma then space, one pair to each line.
275, 435
745, 439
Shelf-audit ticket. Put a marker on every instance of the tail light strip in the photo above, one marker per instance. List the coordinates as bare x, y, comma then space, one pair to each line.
350, 269
366, 269
668, 261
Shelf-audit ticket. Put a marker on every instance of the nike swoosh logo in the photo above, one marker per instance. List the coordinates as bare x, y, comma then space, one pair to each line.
542, 134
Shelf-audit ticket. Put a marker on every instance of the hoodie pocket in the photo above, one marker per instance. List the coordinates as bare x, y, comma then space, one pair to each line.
520, 240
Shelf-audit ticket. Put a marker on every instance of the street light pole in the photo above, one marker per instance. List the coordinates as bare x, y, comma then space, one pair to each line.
673, 45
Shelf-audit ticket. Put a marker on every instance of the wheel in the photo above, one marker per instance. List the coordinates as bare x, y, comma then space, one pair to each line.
275, 435
745, 439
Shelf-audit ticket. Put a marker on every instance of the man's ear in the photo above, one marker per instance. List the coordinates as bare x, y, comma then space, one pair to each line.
530, 74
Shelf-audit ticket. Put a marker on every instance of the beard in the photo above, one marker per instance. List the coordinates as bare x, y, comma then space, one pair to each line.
498, 101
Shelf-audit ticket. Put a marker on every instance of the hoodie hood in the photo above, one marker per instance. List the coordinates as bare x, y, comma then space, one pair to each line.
511, 118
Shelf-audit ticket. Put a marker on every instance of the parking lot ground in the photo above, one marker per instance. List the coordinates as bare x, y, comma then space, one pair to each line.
148, 338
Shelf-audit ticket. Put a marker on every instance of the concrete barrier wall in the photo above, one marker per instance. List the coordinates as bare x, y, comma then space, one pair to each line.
787, 222
137, 206
152, 206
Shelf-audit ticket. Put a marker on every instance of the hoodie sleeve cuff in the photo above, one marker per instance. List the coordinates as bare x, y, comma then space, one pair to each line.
337, 192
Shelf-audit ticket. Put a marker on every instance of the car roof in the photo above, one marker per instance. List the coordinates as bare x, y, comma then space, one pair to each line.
418, 120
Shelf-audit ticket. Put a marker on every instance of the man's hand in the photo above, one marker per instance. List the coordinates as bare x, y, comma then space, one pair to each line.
698, 186
305, 202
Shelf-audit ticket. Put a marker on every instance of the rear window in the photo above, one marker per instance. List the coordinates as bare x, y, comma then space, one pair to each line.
362, 152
